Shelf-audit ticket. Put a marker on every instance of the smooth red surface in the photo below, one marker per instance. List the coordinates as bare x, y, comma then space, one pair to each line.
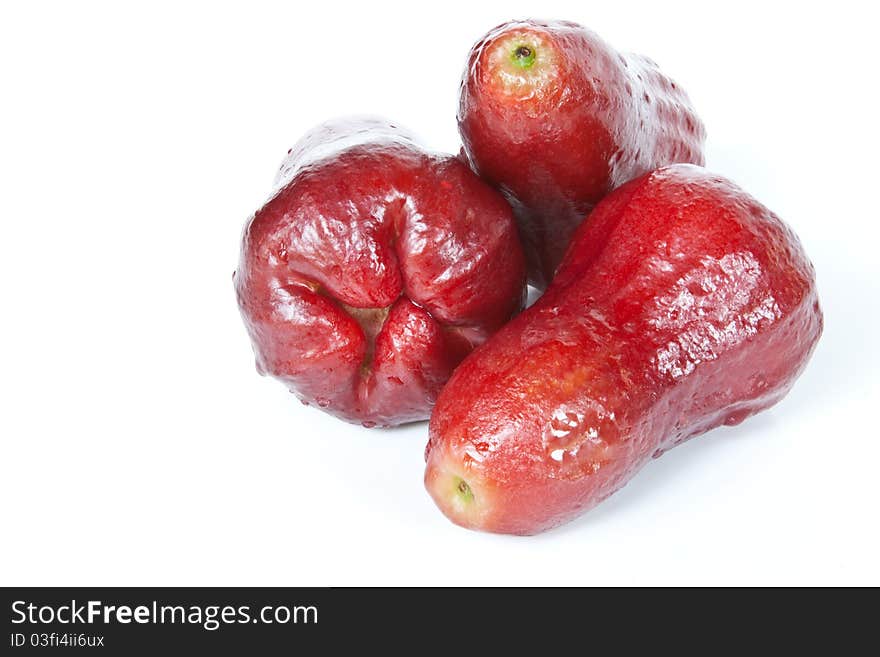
558, 136
373, 270
683, 304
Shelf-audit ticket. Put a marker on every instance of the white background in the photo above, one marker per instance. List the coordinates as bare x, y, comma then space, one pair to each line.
139, 446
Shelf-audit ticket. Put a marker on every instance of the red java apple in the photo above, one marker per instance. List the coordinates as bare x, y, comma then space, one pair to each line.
556, 118
373, 270
683, 304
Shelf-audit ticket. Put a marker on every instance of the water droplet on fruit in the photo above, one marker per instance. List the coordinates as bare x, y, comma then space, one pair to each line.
564, 422
572, 439
369, 424
735, 418
322, 402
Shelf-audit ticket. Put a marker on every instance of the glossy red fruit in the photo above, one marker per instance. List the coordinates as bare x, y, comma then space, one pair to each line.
556, 118
373, 270
683, 304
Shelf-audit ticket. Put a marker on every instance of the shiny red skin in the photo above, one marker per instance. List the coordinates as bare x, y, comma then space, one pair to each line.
373, 270
682, 305
556, 149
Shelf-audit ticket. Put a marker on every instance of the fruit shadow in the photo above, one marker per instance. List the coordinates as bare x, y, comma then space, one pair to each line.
377, 465
533, 294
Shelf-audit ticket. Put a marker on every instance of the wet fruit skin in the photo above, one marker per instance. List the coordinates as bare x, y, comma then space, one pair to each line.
556, 118
373, 270
682, 305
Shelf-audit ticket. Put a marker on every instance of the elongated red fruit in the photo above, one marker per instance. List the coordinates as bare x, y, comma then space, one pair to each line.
683, 304
556, 118
373, 270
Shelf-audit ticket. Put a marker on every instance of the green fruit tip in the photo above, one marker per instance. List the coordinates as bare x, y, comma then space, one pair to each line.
523, 55
463, 491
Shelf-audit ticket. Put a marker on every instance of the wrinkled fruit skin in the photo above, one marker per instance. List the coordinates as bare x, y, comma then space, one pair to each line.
683, 304
560, 128
373, 270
